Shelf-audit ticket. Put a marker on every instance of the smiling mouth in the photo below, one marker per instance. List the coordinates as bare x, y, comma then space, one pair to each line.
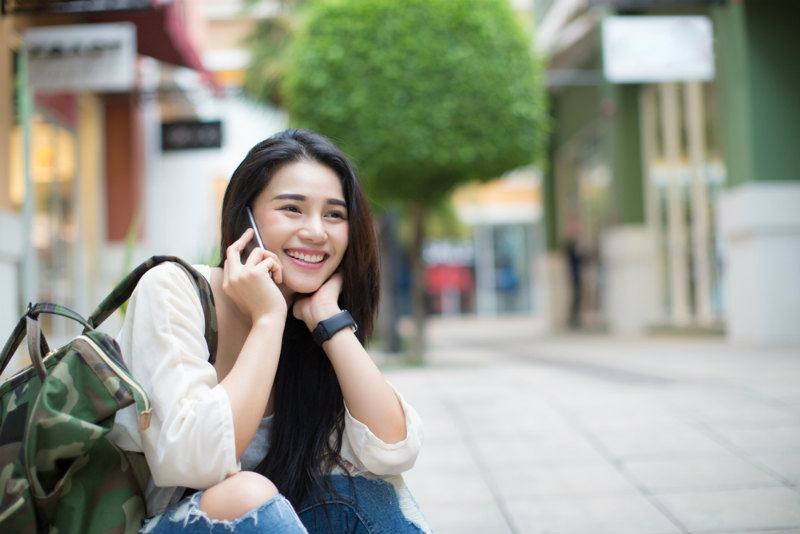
306, 258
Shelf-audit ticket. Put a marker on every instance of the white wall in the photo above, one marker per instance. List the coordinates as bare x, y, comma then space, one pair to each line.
182, 208
552, 290
760, 224
631, 289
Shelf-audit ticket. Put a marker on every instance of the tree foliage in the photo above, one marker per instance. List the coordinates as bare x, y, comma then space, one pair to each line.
268, 42
423, 94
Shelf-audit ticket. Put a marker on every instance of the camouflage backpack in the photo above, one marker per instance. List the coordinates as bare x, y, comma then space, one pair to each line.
58, 471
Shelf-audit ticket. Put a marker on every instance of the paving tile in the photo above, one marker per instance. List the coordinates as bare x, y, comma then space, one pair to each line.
513, 417
446, 472
724, 471
576, 479
441, 431
658, 440
625, 418
742, 410
466, 518
432, 489
518, 434
498, 452
450, 457
786, 392
761, 508
786, 464
755, 440
607, 514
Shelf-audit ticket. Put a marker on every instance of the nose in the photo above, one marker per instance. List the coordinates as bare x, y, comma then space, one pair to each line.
313, 230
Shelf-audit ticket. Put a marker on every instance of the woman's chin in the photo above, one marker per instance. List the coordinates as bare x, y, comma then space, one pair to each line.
301, 288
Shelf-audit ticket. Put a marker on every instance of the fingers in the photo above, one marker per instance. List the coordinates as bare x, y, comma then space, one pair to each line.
234, 250
258, 258
332, 287
267, 260
271, 264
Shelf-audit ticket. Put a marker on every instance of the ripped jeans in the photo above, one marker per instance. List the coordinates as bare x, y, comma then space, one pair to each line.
360, 505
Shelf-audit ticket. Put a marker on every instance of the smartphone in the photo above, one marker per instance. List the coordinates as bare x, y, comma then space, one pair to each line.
260, 242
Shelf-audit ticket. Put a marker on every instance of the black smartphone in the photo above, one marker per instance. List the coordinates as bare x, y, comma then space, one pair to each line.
258, 241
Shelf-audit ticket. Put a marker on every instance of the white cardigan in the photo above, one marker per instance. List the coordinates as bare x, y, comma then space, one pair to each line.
190, 441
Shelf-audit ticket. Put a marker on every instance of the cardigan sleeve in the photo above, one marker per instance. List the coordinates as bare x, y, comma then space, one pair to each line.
190, 441
367, 452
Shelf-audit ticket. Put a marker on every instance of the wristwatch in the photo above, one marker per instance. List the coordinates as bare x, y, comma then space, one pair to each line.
325, 329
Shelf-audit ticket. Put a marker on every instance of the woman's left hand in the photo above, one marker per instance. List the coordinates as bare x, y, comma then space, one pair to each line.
320, 305
368, 396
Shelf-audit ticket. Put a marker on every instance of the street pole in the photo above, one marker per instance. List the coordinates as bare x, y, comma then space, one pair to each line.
30, 290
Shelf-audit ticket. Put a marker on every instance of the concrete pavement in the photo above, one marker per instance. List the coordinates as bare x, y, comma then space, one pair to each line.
590, 434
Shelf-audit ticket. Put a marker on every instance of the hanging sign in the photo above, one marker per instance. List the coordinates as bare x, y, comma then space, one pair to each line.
652, 49
182, 135
82, 57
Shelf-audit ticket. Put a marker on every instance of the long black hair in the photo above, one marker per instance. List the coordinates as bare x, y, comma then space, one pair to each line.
307, 429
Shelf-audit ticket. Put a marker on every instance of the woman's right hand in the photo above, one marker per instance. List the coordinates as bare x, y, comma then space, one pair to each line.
253, 285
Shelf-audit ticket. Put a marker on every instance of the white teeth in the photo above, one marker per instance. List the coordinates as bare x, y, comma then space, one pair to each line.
308, 258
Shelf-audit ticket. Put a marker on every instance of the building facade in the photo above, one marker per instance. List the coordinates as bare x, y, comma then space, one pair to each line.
78, 84
684, 189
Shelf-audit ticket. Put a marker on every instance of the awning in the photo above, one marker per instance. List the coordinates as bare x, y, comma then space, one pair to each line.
161, 34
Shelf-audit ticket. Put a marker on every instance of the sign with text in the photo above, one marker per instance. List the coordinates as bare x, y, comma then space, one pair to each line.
652, 49
44, 7
82, 57
183, 135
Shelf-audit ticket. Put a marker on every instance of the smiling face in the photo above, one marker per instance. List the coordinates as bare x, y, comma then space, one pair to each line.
302, 217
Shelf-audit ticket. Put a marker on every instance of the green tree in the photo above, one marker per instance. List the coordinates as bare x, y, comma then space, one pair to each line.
423, 95
267, 42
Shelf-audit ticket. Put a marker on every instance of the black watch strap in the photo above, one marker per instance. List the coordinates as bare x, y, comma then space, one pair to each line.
325, 329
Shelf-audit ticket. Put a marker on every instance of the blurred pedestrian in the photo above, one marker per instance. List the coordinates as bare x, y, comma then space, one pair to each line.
575, 260
293, 427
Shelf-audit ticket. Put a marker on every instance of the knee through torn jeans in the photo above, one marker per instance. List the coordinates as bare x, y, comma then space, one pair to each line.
274, 515
359, 504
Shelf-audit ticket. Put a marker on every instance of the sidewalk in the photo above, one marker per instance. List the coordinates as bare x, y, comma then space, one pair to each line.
590, 434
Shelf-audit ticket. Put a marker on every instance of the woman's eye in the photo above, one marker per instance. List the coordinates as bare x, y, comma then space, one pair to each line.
293, 209
337, 215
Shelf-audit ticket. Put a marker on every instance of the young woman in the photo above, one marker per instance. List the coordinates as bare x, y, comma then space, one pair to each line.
293, 427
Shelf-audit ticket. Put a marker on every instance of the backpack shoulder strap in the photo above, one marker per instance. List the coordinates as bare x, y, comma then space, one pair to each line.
23, 328
123, 290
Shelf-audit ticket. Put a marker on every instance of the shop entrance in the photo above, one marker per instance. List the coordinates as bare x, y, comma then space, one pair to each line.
684, 172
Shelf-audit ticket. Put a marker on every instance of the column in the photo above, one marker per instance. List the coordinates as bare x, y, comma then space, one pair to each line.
676, 224
695, 130
628, 249
759, 219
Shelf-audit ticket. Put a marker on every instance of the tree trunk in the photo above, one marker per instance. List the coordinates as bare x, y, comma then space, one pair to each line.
418, 305
390, 259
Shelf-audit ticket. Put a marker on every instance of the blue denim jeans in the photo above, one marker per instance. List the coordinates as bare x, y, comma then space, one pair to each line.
275, 515
363, 505
358, 505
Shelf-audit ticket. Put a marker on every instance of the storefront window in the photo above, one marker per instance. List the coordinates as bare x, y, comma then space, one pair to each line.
512, 253
53, 231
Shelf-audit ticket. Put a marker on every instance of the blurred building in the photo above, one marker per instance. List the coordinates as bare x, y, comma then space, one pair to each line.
672, 155
505, 218
116, 139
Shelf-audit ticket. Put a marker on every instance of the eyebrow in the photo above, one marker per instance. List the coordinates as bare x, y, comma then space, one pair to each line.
301, 198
